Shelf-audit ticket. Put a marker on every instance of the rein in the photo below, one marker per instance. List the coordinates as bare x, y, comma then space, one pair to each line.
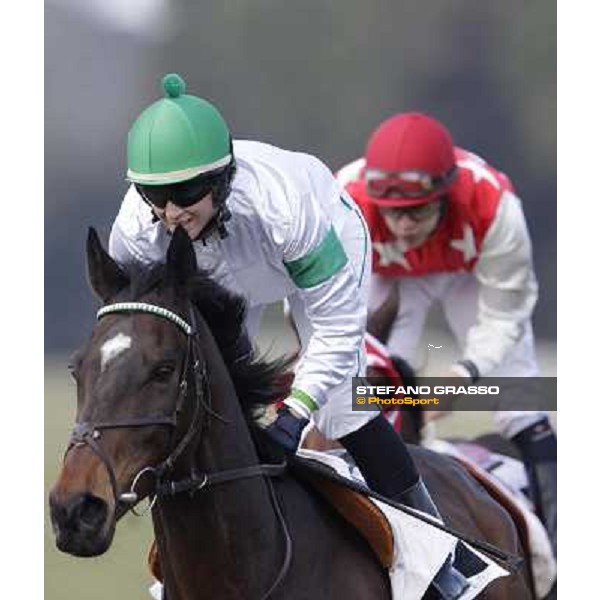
88, 434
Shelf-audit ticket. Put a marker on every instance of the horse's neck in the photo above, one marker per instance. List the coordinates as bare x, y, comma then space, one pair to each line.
217, 538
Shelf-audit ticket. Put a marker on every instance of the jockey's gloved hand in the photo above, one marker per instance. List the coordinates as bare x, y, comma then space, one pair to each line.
282, 423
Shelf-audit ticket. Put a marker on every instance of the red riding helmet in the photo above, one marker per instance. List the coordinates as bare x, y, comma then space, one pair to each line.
409, 161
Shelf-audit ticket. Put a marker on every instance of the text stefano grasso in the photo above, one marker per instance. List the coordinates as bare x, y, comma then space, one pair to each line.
387, 390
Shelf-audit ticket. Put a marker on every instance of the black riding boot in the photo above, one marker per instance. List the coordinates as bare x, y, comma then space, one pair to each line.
537, 444
389, 469
448, 582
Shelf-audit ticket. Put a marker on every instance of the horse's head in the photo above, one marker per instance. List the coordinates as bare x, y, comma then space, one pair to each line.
133, 377
144, 395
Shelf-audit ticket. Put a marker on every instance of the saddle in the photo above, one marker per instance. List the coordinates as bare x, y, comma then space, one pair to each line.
355, 508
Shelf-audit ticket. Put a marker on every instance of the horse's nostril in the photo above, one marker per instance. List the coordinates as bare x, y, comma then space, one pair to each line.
89, 512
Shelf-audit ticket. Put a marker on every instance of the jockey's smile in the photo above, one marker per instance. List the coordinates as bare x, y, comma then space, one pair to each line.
192, 218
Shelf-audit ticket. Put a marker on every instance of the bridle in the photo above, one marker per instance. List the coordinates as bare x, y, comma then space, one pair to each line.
88, 433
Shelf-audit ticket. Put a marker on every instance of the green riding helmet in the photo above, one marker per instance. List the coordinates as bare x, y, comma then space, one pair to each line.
177, 138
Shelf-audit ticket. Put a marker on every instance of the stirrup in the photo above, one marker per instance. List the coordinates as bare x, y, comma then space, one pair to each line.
448, 582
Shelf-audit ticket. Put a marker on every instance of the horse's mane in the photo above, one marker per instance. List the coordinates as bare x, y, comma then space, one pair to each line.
257, 379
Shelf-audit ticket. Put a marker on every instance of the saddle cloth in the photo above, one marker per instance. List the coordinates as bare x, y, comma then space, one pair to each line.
504, 478
412, 551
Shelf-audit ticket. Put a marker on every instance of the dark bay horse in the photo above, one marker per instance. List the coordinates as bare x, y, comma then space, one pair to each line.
165, 389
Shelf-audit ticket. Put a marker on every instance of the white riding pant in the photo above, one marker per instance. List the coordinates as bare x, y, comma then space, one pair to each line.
457, 293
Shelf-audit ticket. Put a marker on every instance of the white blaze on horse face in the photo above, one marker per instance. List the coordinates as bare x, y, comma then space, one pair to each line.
112, 348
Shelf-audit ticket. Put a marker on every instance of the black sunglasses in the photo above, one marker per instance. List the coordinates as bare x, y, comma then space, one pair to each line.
184, 194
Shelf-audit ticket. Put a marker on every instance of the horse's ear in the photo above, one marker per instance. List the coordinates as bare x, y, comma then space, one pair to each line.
105, 275
181, 259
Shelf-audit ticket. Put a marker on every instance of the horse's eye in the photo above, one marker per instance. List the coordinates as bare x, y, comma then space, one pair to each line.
162, 373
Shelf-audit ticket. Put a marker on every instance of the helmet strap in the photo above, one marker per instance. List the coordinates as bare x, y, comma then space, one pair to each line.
443, 207
216, 224
441, 215
223, 214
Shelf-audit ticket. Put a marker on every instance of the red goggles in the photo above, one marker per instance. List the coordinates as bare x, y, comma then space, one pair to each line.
406, 184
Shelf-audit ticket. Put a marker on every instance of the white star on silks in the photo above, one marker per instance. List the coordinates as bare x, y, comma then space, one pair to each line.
391, 252
467, 244
479, 171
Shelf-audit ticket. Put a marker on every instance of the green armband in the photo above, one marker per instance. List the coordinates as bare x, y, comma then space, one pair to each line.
319, 264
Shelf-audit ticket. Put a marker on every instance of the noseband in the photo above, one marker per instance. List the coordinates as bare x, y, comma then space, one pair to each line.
87, 433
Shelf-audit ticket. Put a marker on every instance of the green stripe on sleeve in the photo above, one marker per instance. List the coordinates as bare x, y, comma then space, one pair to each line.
305, 398
320, 264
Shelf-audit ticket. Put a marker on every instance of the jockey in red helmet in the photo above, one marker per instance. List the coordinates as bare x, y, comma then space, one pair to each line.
448, 229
